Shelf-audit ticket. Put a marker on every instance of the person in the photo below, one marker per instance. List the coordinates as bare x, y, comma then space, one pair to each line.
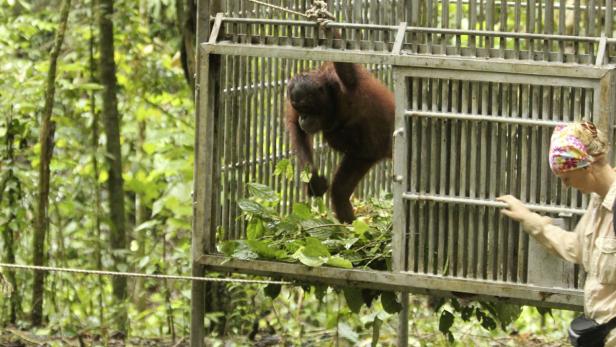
578, 155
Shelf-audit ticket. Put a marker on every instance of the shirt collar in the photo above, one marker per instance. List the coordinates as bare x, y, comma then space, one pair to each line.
608, 201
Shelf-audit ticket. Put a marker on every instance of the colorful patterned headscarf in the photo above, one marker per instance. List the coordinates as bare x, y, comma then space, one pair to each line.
567, 151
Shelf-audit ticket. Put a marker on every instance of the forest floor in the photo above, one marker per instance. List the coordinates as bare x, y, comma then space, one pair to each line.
14, 338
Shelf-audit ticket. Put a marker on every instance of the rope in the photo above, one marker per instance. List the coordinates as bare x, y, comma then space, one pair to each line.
318, 12
284, 9
134, 274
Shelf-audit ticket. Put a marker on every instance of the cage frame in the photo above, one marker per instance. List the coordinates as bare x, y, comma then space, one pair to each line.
204, 257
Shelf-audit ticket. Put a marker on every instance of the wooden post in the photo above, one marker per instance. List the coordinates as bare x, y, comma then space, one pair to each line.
204, 92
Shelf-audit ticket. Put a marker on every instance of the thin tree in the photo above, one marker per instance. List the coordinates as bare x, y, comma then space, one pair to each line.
98, 246
115, 184
187, 28
12, 186
46, 141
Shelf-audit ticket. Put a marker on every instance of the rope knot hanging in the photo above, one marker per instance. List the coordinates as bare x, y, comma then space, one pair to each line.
319, 13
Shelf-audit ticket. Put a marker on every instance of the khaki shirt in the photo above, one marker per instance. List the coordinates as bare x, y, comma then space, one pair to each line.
592, 244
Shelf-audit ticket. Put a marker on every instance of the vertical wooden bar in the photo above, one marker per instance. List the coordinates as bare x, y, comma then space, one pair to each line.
443, 137
474, 173
516, 27
264, 120
236, 154
227, 129
547, 94
444, 25
219, 199
425, 229
483, 171
605, 104
562, 19
530, 27
490, 12
514, 185
256, 88
415, 38
202, 235
590, 28
414, 124
576, 29
454, 174
503, 184
503, 27
463, 233
548, 28
401, 177
609, 19
472, 40
429, 24
459, 16
433, 231
526, 173
243, 146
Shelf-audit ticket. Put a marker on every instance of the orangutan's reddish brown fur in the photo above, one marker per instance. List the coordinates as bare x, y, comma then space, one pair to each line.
354, 111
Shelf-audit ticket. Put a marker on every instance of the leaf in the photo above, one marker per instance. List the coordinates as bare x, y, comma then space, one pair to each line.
314, 248
360, 227
445, 322
308, 260
272, 290
337, 261
320, 291
103, 176
250, 206
242, 251
301, 210
348, 333
284, 167
263, 249
390, 302
467, 313
376, 331
147, 225
263, 192
488, 323
543, 311
89, 86
353, 298
507, 313
305, 175
255, 229
228, 247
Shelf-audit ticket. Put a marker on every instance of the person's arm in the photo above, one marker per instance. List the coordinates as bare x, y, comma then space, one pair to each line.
567, 245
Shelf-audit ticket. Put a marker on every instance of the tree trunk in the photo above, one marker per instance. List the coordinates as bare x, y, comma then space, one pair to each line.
187, 27
97, 188
115, 184
46, 142
141, 214
10, 185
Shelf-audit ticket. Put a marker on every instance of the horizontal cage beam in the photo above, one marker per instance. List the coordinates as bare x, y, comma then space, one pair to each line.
537, 68
392, 281
489, 203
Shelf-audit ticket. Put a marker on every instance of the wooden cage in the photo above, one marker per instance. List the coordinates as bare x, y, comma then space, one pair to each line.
478, 84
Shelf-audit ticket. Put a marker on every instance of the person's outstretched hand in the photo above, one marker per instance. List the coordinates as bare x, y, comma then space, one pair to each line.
515, 209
